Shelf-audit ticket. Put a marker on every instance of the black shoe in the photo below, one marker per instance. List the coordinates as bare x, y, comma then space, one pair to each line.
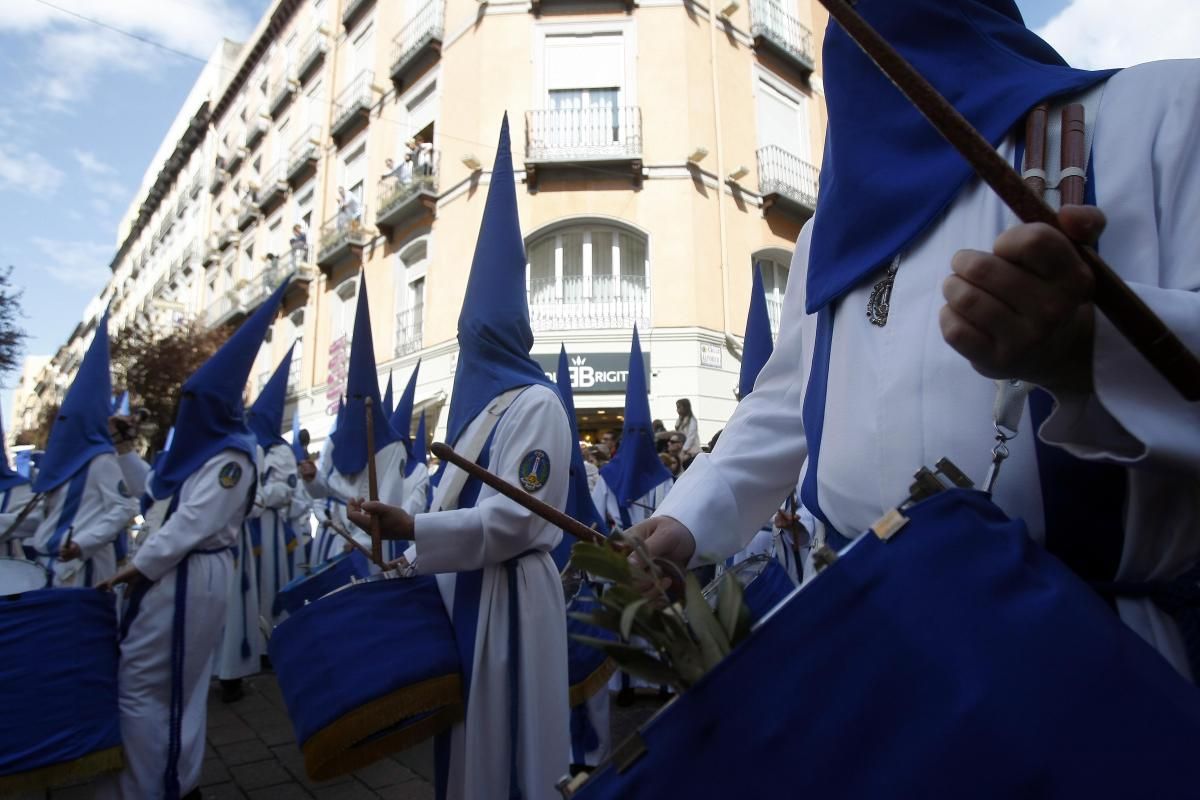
194, 794
231, 692
265, 663
626, 696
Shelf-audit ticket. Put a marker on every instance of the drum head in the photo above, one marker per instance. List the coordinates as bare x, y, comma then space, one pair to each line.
746, 572
17, 576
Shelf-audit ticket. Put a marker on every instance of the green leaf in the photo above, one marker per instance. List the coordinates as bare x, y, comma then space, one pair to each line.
732, 610
642, 665
601, 562
714, 644
628, 615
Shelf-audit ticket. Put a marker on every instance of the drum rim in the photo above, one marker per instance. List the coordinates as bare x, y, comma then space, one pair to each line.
25, 566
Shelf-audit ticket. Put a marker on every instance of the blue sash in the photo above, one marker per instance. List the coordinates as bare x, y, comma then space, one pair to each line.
66, 518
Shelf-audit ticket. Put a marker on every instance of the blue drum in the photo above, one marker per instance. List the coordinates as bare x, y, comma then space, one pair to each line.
369, 670
588, 668
333, 574
956, 659
58, 687
765, 584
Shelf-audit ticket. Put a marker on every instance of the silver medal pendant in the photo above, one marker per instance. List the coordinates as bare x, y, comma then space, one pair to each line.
881, 296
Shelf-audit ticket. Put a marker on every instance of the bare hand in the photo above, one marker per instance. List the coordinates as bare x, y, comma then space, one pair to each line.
664, 537
1025, 310
394, 523
307, 469
69, 552
129, 575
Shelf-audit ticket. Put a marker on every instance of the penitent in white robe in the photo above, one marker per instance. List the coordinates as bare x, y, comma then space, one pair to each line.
200, 532
12, 503
483, 537
272, 507
105, 509
899, 397
242, 645
331, 490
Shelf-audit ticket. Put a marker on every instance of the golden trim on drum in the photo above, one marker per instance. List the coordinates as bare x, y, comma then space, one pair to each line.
349, 742
582, 691
82, 768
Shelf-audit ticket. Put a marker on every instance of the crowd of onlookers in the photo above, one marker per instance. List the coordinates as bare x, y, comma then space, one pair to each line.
677, 448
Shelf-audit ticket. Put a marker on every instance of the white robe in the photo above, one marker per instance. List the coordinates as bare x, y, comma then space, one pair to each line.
12, 503
336, 489
272, 505
105, 509
242, 644
483, 537
642, 509
208, 518
899, 397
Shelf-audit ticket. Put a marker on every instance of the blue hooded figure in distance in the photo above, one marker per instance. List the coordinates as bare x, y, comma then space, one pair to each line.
87, 501
15, 494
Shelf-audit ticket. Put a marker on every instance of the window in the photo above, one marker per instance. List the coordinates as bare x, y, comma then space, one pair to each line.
774, 265
362, 52
353, 171
588, 275
585, 80
410, 298
782, 117
342, 313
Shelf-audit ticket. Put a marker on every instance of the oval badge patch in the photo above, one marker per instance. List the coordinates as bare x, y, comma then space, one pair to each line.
534, 470
230, 474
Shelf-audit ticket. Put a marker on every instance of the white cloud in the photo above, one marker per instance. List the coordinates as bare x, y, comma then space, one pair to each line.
1095, 34
91, 164
27, 172
79, 264
73, 53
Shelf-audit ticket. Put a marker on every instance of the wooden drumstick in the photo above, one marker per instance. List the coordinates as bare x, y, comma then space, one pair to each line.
1074, 156
1127, 312
520, 496
1035, 148
340, 531
21, 517
373, 485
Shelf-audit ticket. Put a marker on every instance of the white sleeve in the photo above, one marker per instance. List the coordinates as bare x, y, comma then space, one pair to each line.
724, 496
1134, 417
497, 529
206, 505
18, 499
136, 471
415, 490
278, 478
105, 477
390, 463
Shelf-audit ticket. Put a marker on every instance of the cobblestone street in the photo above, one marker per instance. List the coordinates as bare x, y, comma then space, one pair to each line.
252, 754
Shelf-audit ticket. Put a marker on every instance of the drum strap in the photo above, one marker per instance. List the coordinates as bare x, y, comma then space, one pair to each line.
66, 518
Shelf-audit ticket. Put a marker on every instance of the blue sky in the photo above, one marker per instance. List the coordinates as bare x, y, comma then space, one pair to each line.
83, 109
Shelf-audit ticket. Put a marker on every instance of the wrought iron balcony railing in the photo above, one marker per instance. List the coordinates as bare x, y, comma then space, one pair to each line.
340, 235
410, 330
353, 103
785, 176
410, 188
312, 53
773, 26
598, 133
422, 33
304, 153
588, 302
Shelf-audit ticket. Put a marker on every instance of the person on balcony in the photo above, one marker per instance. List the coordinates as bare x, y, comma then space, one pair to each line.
402, 173
421, 154
349, 209
298, 245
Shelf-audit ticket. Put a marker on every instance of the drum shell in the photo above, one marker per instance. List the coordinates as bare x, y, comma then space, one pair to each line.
58, 688
367, 671
333, 574
958, 659
588, 669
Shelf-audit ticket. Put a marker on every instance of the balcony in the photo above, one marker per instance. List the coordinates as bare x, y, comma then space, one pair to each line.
197, 183
248, 210
236, 157
256, 129
181, 203
538, 7
302, 158
227, 233
787, 181
582, 302
352, 108
420, 40
190, 259
406, 195
298, 263
257, 289
777, 31
312, 54
212, 249
352, 11
226, 309
343, 237
274, 188
410, 330
565, 137
220, 176
281, 93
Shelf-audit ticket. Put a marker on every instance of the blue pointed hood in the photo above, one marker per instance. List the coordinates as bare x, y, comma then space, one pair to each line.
81, 431
350, 438
635, 469
265, 416
388, 404
402, 417
494, 336
579, 494
211, 415
757, 344
9, 477
121, 404
297, 445
416, 450
883, 161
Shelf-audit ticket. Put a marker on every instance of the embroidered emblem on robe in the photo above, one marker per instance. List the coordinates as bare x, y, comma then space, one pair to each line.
534, 470
230, 474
